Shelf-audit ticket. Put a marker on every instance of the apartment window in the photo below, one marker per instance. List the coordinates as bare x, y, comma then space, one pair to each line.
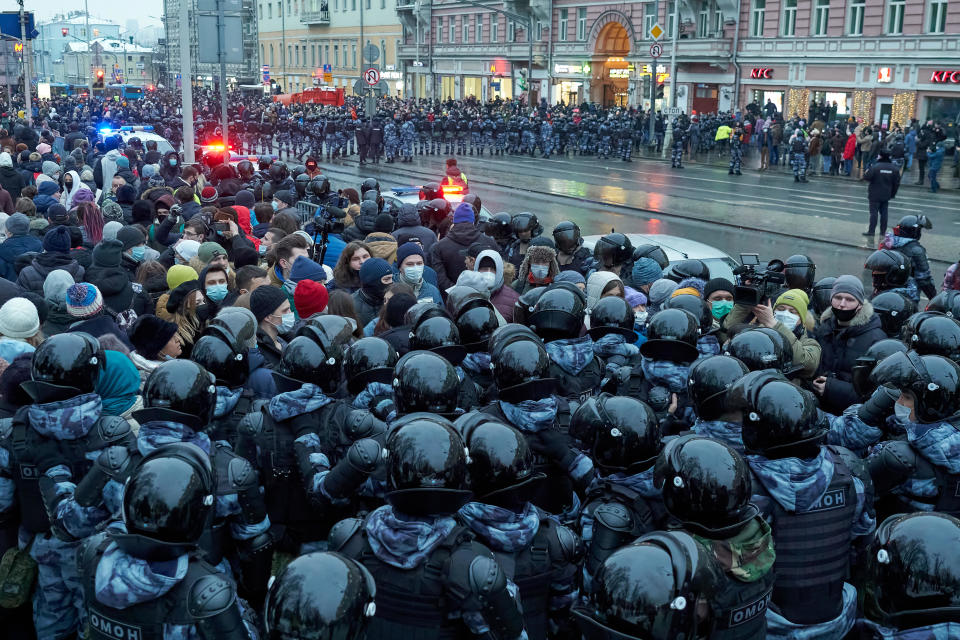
465, 29
821, 14
789, 17
717, 20
313, 55
270, 10
478, 25
288, 6
703, 20
296, 56
494, 27
671, 16
757, 15
895, 9
383, 51
649, 18
564, 13
368, 5
354, 48
326, 53
336, 55
453, 29
383, 4
271, 55
289, 57
440, 29
856, 17
582, 24
353, 5
938, 16
262, 56
511, 31
539, 30
260, 12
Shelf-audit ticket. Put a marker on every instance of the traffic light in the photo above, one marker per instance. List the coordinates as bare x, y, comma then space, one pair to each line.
64, 31
98, 79
659, 90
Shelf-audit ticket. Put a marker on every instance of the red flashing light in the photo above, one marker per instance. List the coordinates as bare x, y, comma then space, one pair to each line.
99, 74
64, 31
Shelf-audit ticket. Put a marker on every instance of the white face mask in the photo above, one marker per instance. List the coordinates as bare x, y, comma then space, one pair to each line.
489, 279
788, 320
902, 412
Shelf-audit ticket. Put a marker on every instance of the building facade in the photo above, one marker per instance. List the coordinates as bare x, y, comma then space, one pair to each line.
120, 61
207, 74
298, 38
63, 29
880, 60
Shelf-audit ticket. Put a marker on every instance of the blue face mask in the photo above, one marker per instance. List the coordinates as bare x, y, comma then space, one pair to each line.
173, 162
217, 292
137, 253
273, 203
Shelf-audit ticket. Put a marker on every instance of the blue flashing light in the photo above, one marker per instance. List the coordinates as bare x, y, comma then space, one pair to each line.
106, 130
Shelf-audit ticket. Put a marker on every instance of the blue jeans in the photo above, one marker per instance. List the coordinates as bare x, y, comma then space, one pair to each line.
826, 163
909, 161
847, 166
934, 185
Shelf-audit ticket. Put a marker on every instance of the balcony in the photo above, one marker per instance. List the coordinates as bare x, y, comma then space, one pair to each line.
321, 17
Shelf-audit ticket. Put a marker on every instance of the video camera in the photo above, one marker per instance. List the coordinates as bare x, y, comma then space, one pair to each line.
755, 285
326, 220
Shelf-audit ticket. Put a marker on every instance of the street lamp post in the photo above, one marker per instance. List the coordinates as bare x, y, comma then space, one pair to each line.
86, 15
27, 71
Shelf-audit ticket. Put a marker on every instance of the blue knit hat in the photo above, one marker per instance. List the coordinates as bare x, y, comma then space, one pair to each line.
406, 250
57, 239
373, 269
84, 300
463, 213
646, 271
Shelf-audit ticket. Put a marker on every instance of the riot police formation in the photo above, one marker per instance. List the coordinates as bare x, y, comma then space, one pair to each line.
287, 430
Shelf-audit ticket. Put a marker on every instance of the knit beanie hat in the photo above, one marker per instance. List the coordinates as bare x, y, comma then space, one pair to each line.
149, 334
111, 229
717, 284
573, 277
84, 300
50, 168
19, 318
245, 256
131, 237
57, 239
848, 284
660, 291
149, 170
286, 196
83, 195
633, 297
178, 274
645, 271
373, 269
47, 188
463, 213
383, 223
406, 250
795, 298
187, 249
309, 298
108, 253
244, 198
123, 162
18, 225
6, 160
265, 300
210, 250
208, 195
55, 285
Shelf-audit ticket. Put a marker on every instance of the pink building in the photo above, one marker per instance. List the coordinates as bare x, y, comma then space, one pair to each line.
880, 60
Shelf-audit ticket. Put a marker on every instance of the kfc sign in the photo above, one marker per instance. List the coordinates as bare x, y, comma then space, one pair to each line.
762, 73
943, 77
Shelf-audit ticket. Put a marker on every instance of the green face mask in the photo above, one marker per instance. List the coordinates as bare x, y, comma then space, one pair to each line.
721, 308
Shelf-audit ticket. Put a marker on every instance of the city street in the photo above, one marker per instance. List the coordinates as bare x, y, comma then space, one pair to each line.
765, 213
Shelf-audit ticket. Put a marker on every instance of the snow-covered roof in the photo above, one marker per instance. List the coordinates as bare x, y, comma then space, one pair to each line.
110, 45
82, 20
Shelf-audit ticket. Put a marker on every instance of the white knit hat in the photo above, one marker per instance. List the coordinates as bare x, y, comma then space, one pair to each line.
187, 249
19, 318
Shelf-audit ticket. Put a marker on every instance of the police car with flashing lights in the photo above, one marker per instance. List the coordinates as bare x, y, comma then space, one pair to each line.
144, 133
720, 264
396, 196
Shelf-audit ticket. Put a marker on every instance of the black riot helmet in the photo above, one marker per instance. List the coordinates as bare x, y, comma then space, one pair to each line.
622, 433
759, 350
246, 170
370, 184
558, 313
525, 221
436, 210
368, 360
167, 503
946, 302
613, 249
476, 327
183, 387
566, 235
425, 381
332, 333
501, 464
893, 308
230, 368
521, 371
706, 485
236, 326
473, 200
612, 315
422, 311
910, 226
935, 334
934, 382
864, 365
73, 360
427, 467
821, 294
278, 172
652, 588
462, 298
672, 335
697, 306
304, 361
890, 269
523, 307
320, 596
913, 577
508, 333
430, 191
499, 227
779, 418
690, 268
652, 251
440, 335
799, 272
709, 380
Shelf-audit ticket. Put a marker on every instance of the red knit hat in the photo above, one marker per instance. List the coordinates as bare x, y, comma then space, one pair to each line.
309, 298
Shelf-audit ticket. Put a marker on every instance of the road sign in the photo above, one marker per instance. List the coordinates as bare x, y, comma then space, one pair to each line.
673, 111
328, 77
656, 31
656, 50
371, 53
371, 76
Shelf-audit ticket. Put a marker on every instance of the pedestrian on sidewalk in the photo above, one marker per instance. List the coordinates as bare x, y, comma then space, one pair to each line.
884, 181
935, 154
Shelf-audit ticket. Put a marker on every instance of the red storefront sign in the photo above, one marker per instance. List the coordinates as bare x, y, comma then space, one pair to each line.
761, 73
943, 77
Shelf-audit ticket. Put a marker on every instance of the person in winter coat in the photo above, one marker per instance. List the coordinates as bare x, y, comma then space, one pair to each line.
346, 273
120, 295
55, 287
489, 264
447, 255
106, 167
883, 179
538, 269
376, 276
10, 179
364, 224
19, 241
382, 244
85, 306
410, 270
56, 255
849, 150
846, 331
154, 340
935, 155
409, 227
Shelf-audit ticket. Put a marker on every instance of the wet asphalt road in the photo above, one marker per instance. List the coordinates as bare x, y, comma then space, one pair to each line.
767, 213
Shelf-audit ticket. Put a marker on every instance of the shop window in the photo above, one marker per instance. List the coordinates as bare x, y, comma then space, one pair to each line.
895, 10
582, 24
821, 15
756, 18
704, 91
563, 24
938, 16
789, 17
855, 27
943, 109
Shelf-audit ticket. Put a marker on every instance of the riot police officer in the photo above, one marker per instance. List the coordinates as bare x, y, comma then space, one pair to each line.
907, 241
894, 309
571, 254
710, 379
892, 271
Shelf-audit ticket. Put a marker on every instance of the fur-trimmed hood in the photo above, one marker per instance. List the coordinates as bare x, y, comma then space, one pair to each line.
861, 319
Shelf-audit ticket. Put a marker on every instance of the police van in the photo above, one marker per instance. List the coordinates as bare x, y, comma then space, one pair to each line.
144, 132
